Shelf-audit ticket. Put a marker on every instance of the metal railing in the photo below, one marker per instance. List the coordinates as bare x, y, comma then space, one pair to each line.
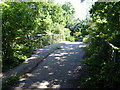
111, 54
41, 40
113, 48
115, 51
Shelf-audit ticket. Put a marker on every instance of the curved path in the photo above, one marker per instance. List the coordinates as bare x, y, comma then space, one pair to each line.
59, 70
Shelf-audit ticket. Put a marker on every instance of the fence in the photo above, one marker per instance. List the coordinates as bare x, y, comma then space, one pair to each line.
19, 49
41, 40
114, 51
109, 49
109, 55
114, 55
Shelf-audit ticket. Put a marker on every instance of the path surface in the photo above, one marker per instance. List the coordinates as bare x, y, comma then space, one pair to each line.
61, 69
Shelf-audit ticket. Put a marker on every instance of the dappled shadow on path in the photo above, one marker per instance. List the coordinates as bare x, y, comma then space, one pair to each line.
30, 63
59, 70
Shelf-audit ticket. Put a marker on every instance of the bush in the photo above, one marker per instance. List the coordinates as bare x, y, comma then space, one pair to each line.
71, 39
86, 39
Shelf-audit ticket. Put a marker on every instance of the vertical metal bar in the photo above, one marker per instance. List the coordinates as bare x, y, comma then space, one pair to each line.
115, 55
40, 41
50, 39
90, 37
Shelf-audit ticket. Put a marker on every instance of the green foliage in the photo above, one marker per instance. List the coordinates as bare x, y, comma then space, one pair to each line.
68, 13
104, 25
11, 81
86, 39
72, 39
22, 20
78, 29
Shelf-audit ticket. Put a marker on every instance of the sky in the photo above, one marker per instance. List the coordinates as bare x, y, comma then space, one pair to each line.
81, 9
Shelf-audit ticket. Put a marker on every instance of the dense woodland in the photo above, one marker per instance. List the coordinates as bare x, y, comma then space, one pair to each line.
102, 29
22, 20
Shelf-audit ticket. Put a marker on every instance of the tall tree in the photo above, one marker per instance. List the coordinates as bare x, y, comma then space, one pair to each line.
104, 26
20, 20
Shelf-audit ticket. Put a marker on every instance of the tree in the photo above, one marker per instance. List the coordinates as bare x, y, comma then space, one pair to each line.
22, 20
104, 26
68, 13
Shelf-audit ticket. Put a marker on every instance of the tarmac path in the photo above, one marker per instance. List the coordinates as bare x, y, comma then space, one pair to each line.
60, 69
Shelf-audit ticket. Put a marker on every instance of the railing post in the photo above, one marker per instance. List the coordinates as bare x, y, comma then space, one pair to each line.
115, 61
50, 38
115, 55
